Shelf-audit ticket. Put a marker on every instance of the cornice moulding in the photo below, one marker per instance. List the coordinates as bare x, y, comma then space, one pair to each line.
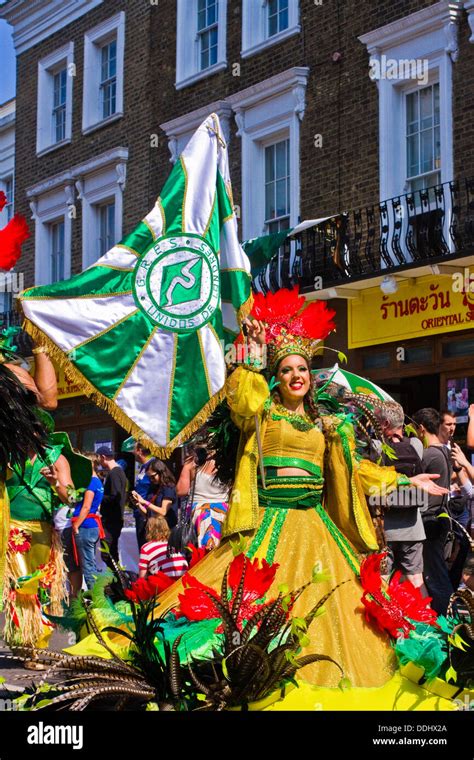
444, 14
35, 20
75, 173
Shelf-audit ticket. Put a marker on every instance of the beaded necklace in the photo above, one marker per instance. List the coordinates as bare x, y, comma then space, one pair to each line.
300, 422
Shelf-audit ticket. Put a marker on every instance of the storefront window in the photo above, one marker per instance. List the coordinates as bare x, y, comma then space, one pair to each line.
376, 361
95, 437
63, 413
458, 348
418, 355
459, 393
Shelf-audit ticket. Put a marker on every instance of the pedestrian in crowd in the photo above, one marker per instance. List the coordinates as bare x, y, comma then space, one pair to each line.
155, 556
160, 498
142, 486
403, 526
470, 427
113, 502
460, 607
436, 460
460, 508
208, 496
459, 505
447, 427
82, 532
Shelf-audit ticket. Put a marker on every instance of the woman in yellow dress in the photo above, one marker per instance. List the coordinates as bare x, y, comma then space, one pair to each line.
309, 509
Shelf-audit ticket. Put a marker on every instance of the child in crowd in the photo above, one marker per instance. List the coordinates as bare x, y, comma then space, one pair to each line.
154, 554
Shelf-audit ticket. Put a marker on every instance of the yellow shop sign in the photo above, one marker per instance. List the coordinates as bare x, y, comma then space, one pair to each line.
66, 388
434, 305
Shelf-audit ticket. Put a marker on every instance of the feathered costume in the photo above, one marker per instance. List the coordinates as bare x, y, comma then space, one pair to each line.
296, 524
21, 433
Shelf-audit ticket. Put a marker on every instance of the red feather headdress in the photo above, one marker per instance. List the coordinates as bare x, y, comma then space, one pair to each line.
293, 326
11, 238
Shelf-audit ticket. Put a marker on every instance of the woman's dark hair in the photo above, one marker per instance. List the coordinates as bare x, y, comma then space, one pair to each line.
429, 418
309, 399
20, 427
166, 476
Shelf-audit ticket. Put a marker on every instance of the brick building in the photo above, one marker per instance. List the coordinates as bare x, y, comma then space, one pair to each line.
330, 109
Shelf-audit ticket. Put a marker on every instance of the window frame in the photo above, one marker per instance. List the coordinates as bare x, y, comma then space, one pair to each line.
255, 38
406, 92
99, 209
9, 208
94, 41
60, 60
50, 210
98, 189
267, 143
53, 225
188, 68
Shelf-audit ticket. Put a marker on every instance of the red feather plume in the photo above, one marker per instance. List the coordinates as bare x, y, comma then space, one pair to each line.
11, 239
394, 609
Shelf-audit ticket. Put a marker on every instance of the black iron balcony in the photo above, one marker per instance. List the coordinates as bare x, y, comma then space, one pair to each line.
427, 226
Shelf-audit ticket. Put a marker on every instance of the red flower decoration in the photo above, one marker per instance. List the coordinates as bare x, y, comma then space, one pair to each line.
49, 571
19, 541
3, 200
392, 610
196, 555
146, 588
197, 601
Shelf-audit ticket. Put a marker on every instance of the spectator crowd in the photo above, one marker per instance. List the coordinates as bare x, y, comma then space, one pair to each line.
427, 538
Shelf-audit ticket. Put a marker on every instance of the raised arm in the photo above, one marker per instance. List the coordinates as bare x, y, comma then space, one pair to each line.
43, 383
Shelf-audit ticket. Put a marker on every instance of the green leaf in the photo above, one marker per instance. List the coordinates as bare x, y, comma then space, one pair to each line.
44, 688
304, 640
2, 679
273, 383
283, 589
152, 707
320, 576
321, 611
388, 451
344, 684
342, 357
298, 624
410, 430
451, 674
457, 641
42, 703
225, 670
112, 629
239, 545
291, 657
104, 547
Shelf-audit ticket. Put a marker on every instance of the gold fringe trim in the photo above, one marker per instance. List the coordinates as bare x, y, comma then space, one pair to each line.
197, 422
86, 387
245, 308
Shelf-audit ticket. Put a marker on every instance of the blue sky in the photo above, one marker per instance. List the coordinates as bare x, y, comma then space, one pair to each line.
8, 76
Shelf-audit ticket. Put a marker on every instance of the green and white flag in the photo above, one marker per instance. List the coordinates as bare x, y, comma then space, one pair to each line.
143, 330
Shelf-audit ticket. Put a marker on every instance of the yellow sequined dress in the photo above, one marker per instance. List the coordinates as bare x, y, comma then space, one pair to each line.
319, 520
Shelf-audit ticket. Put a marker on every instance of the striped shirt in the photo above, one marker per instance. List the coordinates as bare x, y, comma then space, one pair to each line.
154, 559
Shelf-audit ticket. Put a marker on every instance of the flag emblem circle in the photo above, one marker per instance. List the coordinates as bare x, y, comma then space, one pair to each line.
176, 282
